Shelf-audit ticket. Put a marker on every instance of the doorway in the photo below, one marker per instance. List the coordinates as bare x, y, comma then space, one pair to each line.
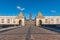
40, 22
20, 23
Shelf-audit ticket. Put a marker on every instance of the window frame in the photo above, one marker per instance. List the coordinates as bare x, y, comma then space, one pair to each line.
46, 20
2, 20
57, 20
8, 20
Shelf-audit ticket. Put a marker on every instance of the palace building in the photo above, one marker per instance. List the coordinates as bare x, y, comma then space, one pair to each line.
21, 20
13, 20
47, 20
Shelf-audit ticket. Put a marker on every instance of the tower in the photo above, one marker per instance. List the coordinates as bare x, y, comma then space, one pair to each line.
30, 16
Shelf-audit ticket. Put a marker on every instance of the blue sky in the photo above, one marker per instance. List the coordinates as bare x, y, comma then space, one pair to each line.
47, 7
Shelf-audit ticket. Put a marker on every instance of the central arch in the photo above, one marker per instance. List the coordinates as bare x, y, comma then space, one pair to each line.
20, 22
40, 22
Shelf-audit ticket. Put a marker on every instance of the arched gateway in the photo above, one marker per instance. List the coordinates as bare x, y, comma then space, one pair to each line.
20, 22
40, 22
39, 19
20, 19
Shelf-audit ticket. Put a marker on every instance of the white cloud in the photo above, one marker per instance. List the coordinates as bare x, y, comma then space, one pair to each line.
53, 11
20, 8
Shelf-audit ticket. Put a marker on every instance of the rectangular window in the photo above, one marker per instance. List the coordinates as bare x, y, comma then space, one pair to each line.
8, 20
52, 20
2, 20
57, 20
13, 21
46, 20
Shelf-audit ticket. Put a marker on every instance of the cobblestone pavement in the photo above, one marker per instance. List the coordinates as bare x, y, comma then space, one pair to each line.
29, 33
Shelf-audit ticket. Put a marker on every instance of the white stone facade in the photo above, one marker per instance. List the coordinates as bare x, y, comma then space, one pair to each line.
46, 20
12, 20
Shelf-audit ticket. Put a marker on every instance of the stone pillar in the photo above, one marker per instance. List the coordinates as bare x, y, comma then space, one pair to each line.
37, 22
23, 22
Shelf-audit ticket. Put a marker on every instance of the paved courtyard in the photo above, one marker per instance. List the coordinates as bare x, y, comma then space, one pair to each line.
29, 33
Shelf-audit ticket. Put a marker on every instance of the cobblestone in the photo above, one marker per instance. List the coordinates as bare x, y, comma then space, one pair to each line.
36, 33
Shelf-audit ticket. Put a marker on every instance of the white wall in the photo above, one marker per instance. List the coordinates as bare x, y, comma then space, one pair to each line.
49, 20
12, 19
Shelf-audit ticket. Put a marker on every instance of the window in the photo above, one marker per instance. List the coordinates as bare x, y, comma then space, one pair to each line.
2, 20
8, 20
46, 20
13, 21
57, 20
52, 20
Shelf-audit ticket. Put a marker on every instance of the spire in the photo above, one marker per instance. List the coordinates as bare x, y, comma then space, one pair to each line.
30, 16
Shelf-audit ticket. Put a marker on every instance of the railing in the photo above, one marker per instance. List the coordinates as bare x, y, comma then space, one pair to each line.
9, 28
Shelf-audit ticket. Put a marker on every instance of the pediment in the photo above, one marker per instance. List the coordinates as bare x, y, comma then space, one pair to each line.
39, 15
20, 15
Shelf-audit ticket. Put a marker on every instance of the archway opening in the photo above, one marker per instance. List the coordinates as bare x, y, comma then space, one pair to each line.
40, 22
20, 23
